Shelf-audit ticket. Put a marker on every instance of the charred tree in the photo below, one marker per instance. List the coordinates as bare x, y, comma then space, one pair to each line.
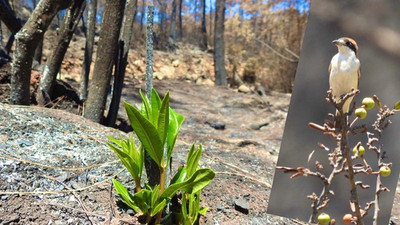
122, 60
27, 40
203, 40
210, 30
52, 67
180, 19
87, 60
152, 170
37, 58
219, 50
142, 14
172, 33
9, 18
1, 36
107, 49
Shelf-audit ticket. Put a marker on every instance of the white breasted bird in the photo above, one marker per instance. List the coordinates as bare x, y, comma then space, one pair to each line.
344, 70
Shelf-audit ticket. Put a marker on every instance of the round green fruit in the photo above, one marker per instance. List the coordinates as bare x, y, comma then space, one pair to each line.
361, 113
361, 151
384, 171
324, 218
368, 102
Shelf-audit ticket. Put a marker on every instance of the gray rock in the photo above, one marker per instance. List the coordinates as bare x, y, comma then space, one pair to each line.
242, 206
130, 212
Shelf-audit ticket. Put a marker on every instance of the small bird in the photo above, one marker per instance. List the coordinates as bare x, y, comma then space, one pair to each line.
344, 70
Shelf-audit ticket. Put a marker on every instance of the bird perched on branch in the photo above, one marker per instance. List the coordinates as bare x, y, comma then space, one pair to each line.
344, 70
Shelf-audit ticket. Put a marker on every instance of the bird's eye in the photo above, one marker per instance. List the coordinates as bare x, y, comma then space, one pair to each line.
351, 46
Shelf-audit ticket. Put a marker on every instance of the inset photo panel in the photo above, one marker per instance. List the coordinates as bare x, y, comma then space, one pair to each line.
340, 156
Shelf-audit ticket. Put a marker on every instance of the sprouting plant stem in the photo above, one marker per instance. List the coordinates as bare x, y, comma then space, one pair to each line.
148, 218
137, 183
162, 186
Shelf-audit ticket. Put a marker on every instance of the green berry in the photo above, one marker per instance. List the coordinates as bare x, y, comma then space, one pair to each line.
368, 102
361, 151
361, 113
324, 218
384, 171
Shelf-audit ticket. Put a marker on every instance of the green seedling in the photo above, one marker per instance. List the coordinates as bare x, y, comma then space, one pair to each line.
157, 126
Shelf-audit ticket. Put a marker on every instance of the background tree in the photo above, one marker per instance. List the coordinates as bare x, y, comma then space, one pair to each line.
172, 33
108, 47
27, 40
142, 14
122, 60
1, 36
53, 64
37, 58
87, 59
152, 169
9, 18
203, 38
219, 49
180, 19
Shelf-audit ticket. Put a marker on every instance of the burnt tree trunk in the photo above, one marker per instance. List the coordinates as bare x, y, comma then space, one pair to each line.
142, 14
37, 58
53, 64
7, 15
203, 40
219, 50
210, 30
87, 60
180, 19
107, 48
152, 170
27, 40
1, 36
9, 18
172, 33
122, 60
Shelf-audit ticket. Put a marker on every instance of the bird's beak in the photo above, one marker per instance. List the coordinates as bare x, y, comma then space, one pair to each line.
337, 42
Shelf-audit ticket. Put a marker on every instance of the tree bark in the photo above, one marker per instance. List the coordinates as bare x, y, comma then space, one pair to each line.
219, 50
180, 19
87, 60
142, 14
37, 57
9, 18
108, 47
149, 51
1, 36
39, 49
203, 41
152, 169
211, 9
172, 33
52, 67
26, 42
122, 61
7, 15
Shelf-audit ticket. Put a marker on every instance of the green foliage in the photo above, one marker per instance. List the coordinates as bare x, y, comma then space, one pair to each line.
130, 156
191, 199
157, 127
